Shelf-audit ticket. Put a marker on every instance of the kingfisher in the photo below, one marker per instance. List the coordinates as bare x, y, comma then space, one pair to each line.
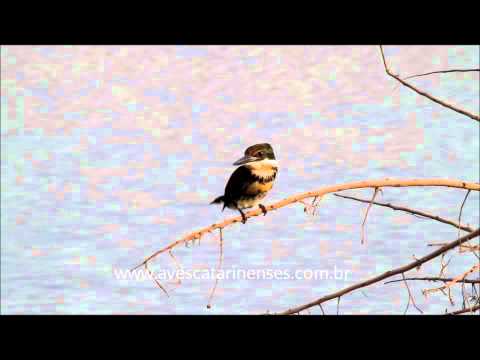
251, 182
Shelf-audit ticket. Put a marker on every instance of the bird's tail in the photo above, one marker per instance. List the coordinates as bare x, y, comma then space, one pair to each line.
218, 200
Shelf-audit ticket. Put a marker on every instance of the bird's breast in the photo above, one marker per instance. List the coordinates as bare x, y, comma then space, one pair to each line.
259, 187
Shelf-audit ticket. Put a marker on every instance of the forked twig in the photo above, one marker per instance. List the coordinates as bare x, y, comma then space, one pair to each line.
454, 281
410, 297
425, 94
155, 279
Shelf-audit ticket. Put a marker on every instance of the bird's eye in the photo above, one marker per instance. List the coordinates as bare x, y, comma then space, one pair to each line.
260, 153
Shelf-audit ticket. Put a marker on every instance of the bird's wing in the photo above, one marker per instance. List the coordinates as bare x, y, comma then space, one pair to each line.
239, 182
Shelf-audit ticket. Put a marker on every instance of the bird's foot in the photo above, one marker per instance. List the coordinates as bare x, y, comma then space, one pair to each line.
264, 209
244, 218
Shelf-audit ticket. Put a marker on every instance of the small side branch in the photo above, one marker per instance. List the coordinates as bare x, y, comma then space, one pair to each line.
462, 311
425, 94
411, 211
433, 278
366, 213
449, 284
442, 72
410, 297
461, 209
155, 279
219, 266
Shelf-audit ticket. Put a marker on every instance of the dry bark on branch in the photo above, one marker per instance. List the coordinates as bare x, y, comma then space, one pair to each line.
396, 271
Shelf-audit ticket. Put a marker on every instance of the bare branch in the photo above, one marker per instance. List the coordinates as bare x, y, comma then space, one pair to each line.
385, 275
177, 265
366, 213
433, 278
388, 182
442, 72
412, 211
219, 266
410, 297
461, 209
155, 279
454, 281
462, 311
425, 94
443, 265
321, 308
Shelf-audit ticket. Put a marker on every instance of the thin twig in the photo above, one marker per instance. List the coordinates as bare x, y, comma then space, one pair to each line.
443, 265
468, 281
321, 308
437, 244
177, 266
461, 209
425, 94
219, 266
410, 296
385, 275
453, 281
411, 211
366, 213
155, 279
442, 72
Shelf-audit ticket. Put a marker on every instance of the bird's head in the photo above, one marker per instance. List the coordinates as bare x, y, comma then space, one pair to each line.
256, 153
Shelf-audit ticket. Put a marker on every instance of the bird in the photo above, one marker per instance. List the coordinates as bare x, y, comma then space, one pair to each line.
250, 182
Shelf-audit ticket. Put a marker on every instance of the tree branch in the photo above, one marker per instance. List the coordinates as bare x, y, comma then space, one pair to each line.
410, 297
219, 266
411, 211
366, 213
442, 72
433, 278
388, 182
396, 271
461, 209
425, 94
462, 311
453, 281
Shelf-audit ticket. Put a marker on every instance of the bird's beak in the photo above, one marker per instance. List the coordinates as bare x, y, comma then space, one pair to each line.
245, 159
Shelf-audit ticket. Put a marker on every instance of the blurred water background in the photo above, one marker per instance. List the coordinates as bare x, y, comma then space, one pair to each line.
111, 152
